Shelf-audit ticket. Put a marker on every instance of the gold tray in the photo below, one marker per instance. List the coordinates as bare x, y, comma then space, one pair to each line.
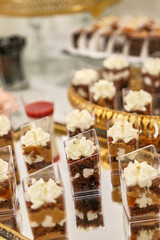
146, 123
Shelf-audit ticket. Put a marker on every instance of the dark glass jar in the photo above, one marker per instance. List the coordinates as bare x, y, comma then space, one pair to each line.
11, 62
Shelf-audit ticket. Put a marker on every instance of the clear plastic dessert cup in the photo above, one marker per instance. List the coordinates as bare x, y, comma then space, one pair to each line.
8, 195
6, 129
122, 138
36, 144
79, 119
142, 229
141, 106
88, 211
44, 196
38, 105
140, 180
83, 159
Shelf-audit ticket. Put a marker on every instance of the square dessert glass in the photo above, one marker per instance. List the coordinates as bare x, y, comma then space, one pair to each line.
85, 172
88, 211
143, 229
81, 118
6, 129
119, 145
140, 181
148, 106
37, 154
47, 214
8, 194
38, 105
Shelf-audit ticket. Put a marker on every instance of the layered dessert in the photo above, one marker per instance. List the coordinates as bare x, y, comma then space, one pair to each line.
122, 138
6, 187
138, 102
79, 121
151, 75
47, 212
103, 93
117, 70
141, 190
5, 132
154, 39
84, 164
88, 212
116, 194
149, 230
82, 79
37, 149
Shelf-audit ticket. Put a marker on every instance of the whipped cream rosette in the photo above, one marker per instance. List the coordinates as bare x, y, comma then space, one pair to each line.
83, 158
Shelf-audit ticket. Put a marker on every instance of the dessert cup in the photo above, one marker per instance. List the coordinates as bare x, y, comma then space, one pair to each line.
143, 229
117, 70
47, 214
88, 211
83, 159
37, 107
122, 138
151, 75
103, 93
140, 182
78, 121
139, 102
36, 144
8, 195
82, 79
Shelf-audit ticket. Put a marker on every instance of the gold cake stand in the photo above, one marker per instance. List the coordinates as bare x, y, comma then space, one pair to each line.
32, 8
146, 123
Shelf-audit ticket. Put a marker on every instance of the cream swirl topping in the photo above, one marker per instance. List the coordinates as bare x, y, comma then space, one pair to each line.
76, 148
79, 119
122, 130
141, 174
137, 100
41, 192
151, 66
115, 62
84, 77
3, 170
103, 89
5, 125
35, 137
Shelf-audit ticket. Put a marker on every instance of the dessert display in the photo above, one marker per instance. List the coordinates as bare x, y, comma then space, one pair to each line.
117, 70
151, 75
47, 213
103, 93
82, 79
140, 182
36, 146
138, 102
132, 36
122, 138
88, 212
79, 121
83, 158
7, 182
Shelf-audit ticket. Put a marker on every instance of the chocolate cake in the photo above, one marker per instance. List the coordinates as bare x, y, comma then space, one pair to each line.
151, 75
103, 93
37, 153
136, 41
84, 168
139, 102
117, 70
154, 42
47, 217
88, 212
142, 194
82, 79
